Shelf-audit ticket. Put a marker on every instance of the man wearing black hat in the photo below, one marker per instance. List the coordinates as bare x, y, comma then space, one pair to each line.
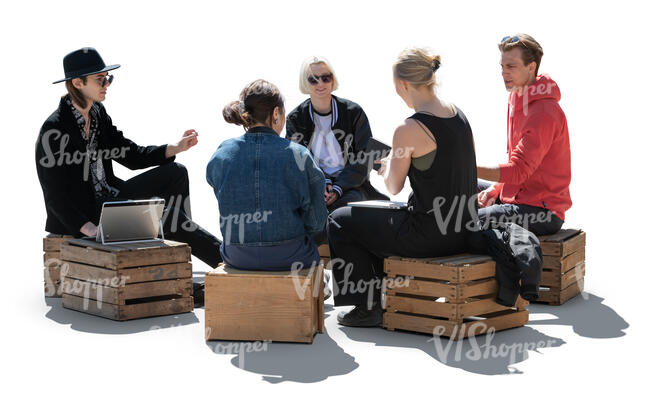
75, 150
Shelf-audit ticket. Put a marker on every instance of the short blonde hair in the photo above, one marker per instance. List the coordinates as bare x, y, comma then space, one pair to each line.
305, 71
417, 66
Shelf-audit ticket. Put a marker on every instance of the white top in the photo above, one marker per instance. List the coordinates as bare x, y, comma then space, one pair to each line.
324, 147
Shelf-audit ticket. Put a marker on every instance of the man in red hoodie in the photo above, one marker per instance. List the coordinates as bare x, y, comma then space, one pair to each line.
532, 188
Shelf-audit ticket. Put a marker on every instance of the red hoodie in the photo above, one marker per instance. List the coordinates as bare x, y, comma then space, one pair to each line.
538, 171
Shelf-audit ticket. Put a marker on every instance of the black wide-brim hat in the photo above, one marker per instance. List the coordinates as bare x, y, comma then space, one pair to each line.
84, 62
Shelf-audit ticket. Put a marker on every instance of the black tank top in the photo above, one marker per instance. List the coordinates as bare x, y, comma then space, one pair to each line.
448, 187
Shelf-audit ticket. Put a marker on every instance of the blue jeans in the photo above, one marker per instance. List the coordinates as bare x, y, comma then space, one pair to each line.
538, 220
278, 257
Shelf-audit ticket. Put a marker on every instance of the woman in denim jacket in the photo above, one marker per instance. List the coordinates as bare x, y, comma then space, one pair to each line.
270, 191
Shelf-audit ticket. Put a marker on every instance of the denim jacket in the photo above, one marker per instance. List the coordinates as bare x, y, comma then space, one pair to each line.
270, 190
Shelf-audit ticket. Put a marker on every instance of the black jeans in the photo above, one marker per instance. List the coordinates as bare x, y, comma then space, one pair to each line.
351, 195
537, 220
360, 238
170, 182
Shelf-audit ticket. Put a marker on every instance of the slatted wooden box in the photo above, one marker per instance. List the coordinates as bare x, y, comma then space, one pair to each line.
52, 264
263, 305
450, 296
127, 281
324, 253
563, 265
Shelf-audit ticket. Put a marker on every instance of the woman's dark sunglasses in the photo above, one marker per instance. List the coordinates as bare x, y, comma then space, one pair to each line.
325, 78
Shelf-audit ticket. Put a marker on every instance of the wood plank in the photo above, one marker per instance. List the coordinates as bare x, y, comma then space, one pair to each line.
131, 275
395, 303
454, 330
563, 263
53, 244
555, 296
562, 243
425, 288
99, 291
473, 289
124, 256
394, 267
145, 309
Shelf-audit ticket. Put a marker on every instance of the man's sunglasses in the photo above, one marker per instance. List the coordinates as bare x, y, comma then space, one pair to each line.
513, 39
102, 81
325, 78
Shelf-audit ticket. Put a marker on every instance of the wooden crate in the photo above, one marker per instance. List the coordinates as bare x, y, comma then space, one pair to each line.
324, 253
563, 270
450, 296
263, 305
52, 264
127, 281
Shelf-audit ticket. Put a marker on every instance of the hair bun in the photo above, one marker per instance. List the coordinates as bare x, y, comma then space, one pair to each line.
436, 64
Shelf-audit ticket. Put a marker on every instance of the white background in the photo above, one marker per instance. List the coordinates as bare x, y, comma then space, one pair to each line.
183, 61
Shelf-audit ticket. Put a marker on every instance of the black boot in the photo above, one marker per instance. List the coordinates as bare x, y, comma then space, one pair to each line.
361, 316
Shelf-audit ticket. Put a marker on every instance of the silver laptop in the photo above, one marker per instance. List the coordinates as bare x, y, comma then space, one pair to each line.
389, 204
131, 221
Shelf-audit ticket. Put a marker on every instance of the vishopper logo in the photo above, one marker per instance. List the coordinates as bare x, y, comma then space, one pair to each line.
360, 157
239, 348
241, 220
481, 351
347, 286
62, 157
524, 220
81, 288
537, 89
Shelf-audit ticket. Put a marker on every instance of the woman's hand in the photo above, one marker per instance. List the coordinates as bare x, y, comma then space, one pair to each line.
384, 164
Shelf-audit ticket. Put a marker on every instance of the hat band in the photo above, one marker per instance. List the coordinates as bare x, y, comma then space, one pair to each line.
83, 72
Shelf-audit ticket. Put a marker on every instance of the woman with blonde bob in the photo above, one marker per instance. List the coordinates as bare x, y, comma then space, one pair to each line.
434, 149
336, 131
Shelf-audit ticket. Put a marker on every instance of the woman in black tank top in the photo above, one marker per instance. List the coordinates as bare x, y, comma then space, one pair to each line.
435, 150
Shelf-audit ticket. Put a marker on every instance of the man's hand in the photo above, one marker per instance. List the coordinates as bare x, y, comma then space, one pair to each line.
487, 197
190, 139
89, 229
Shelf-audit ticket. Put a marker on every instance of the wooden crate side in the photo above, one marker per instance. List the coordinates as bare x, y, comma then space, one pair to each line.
572, 276
239, 307
119, 295
477, 271
453, 330
127, 312
173, 306
473, 289
485, 306
53, 244
552, 244
563, 263
399, 303
574, 244
398, 267
125, 255
424, 288
555, 296
135, 275
51, 258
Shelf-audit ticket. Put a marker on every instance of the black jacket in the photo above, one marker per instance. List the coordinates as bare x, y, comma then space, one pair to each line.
352, 131
63, 169
518, 257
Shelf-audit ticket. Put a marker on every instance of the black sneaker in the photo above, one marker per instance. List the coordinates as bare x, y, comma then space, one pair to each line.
198, 293
361, 316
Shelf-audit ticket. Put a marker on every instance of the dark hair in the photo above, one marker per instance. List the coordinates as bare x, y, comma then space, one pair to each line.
531, 50
75, 94
255, 105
